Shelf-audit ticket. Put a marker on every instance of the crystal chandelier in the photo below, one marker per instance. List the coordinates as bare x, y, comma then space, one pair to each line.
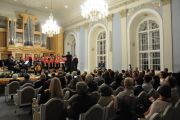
94, 9
50, 27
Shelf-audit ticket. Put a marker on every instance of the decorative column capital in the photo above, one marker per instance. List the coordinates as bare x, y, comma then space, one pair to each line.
109, 17
123, 13
85, 25
165, 2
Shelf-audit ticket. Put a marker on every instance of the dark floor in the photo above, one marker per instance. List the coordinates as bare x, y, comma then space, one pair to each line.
7, 111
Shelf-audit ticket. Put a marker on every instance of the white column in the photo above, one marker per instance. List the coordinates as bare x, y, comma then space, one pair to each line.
125, 45
167, 53
109, 42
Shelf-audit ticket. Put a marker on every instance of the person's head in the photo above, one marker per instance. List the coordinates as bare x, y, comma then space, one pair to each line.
166, 70
78, 72
170, 81
138, 81
118, 78
128, 83
55, 88
81, 88
26, 76
15, 76
107, 77
163, 75
43, 76
164, 91
68, 78
105, 90
53, 74
93, 86
68, 53
46, 72
147, 79
99, 73
89, 78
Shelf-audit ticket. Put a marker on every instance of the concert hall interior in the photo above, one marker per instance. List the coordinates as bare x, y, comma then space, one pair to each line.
89, 59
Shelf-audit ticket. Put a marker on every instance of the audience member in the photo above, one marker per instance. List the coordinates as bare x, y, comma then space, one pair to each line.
159, 105
128, 88
14, 78
26, 79
54, 91
105, 95
147, 85
81, 102
138, 86
171, 82
125, 109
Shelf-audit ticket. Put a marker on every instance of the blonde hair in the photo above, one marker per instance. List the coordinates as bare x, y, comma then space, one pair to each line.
128, 82
55, 88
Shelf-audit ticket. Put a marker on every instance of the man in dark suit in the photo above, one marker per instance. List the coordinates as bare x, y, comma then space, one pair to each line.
68, 62
75, 63
10, 62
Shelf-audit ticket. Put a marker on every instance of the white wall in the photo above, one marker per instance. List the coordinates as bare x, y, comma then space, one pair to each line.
176, 34
82, 48
117, 43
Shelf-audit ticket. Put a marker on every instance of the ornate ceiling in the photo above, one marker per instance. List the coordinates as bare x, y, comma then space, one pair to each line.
65, 11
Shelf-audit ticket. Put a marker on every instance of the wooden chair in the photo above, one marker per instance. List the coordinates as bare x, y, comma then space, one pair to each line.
155, 116
96, 112
176, 115
24, 97
168, 113
52, 110
11, 89
26, 84
110, 111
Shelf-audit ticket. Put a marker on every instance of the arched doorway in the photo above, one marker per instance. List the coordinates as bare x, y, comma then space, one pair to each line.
70, 44
97, 46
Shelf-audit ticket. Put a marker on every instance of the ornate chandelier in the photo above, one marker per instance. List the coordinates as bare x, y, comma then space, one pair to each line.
50, 27
94, 9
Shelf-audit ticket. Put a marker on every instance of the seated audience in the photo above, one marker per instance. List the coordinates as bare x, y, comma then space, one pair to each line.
41, 81
14, 78
171, 82
81, 102
128, 88
99, 79
156, 82
147, 85
54, 91
105, 95
125, 109
138, 86
117, 81
159, 105
162, 77
26, 79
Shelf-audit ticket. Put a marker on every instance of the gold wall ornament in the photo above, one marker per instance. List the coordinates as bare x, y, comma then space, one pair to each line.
124, 12
109, 17
165, 2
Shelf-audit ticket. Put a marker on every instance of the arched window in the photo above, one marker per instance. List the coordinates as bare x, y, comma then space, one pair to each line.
101, 48
149, 45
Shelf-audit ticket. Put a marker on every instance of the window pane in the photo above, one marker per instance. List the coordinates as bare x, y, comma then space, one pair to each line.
101, 48
143, 26
155, 60
143, 41
143, 61
154, 40
153, 25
